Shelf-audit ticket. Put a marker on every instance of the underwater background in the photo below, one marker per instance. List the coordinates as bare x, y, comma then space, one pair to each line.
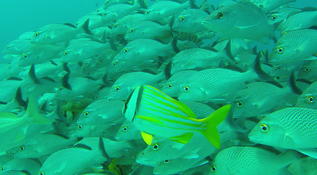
20, 16
163, 87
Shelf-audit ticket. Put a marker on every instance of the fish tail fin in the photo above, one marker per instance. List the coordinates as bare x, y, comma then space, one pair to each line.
212, 121
33, 112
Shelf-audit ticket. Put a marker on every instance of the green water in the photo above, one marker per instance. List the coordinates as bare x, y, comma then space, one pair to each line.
164, 87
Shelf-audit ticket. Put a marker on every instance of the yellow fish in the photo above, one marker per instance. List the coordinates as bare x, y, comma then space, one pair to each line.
156, 114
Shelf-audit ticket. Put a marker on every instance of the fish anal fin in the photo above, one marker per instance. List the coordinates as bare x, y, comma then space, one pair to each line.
184, 138
147, 138
309, 152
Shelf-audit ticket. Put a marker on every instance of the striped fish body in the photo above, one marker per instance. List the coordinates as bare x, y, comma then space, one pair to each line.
157, 114
292, 128
210, 85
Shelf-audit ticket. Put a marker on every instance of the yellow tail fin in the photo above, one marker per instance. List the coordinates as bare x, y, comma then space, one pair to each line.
212, 121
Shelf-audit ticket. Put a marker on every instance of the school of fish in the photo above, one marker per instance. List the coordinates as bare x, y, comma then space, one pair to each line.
164, 87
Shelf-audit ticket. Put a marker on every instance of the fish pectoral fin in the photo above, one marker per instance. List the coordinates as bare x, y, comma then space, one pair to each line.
147, 138
192, 156
314, 57
184, 138
309, 152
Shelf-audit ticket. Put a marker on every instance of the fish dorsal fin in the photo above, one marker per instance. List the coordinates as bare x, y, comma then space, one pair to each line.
184, 138
147, 138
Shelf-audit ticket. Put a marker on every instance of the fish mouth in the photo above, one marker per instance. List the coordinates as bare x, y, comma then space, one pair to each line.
253, 138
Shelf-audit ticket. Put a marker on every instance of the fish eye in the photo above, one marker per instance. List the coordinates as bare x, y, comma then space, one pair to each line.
125, 128
186, 88
24, 55
280, 50
273, 17
79, 126
219, 15
131, 30
125, 50
181, 18
166, 161
277, 77
310, 99
117, 88
169, 85
65, 53
264, 128
239, 104
307, 69
85, 113
155, 147
115, 62
36, 34
22, 148
42, 173
213, 168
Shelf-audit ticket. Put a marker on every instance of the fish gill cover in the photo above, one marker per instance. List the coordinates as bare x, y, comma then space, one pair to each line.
182, 87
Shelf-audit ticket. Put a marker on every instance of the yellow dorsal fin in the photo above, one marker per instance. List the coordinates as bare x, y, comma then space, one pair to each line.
148, 138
